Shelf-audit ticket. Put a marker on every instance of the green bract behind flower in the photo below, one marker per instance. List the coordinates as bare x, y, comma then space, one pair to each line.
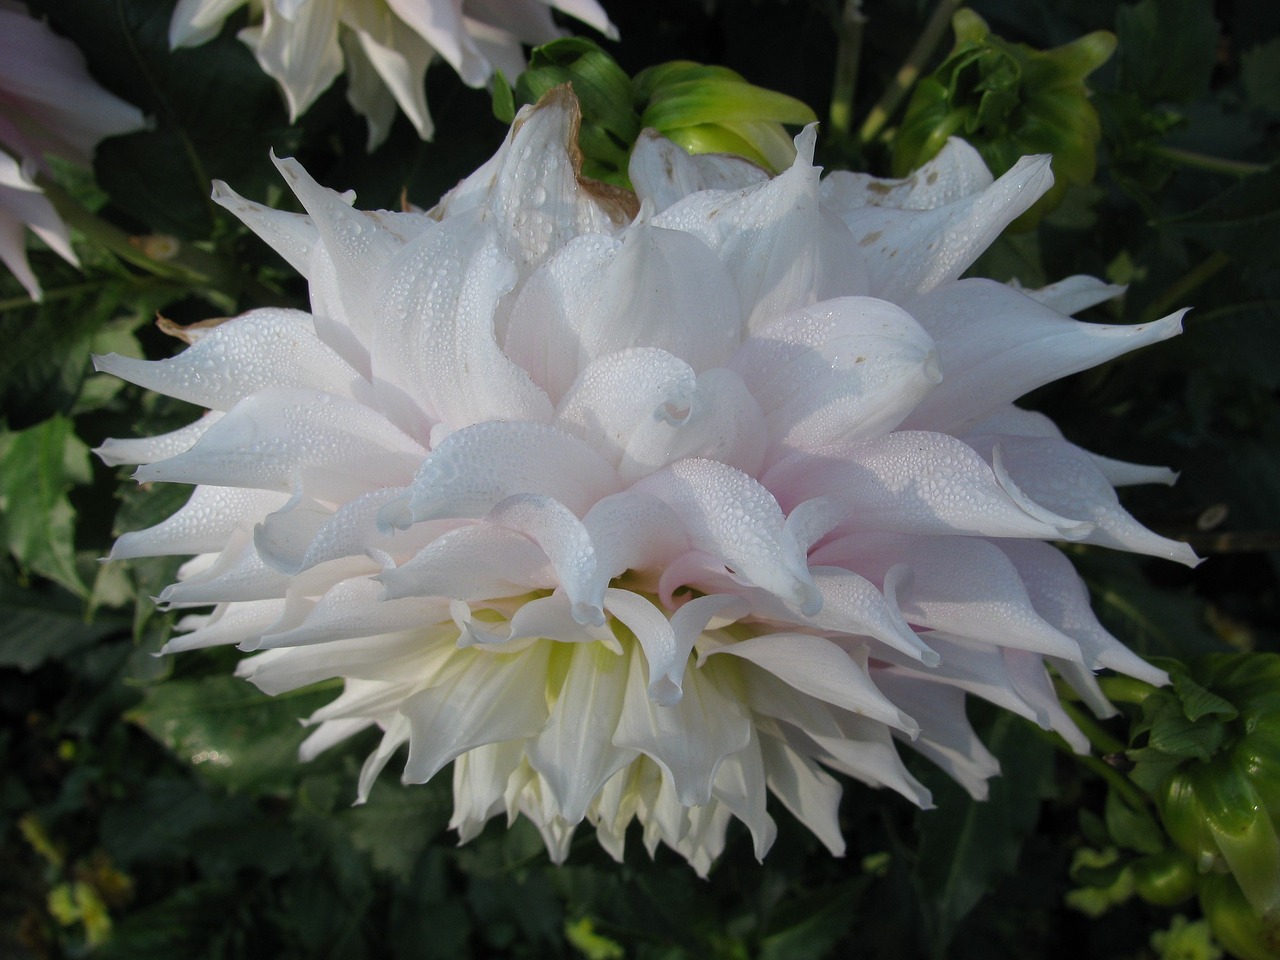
1212, 762
1008, 100
705, 109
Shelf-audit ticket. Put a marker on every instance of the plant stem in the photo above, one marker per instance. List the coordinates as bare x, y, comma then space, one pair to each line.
848, 54
908, 73
1202, 161
1179, 291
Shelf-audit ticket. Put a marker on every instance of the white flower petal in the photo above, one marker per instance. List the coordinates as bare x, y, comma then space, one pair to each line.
282, 436
729, 515
996, 344
841, 369
690, 738
264, 348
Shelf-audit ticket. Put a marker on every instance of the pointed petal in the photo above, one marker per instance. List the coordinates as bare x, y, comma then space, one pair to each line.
916, 482
475, 562
841, 369
688, 739
474, 469
996, 344
283, 436
262, 348
910, 252
956, 173
203, 525
729, 515
575, 750
495, 697
662, 173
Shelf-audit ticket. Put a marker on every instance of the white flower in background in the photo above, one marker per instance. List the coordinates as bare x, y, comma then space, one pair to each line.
645, 507
49, 105
385, 45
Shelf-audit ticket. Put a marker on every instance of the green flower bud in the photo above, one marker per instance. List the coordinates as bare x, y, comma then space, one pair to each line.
1008, 100
1238, 927
1165, 879
1213, 766
705, 109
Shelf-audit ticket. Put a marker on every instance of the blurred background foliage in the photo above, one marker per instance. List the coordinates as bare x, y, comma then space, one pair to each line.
152, 808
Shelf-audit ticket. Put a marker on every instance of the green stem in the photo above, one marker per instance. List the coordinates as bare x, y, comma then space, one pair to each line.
848, 53
1180, 291
187, 264
1102, 741
909, 72
1114, 778
1202, 161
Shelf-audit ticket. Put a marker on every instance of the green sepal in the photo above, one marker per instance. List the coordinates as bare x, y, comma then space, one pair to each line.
1008, 100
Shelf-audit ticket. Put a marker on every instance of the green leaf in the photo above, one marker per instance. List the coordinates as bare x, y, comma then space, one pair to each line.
37, 468
234, 734
1243, 222
1167, 48
1133, 829
44, 624
815, 925
398, 823
1260, 74
966, 844
1197, 702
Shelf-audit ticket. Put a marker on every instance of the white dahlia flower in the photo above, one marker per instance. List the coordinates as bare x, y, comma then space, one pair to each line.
642, 507
384, 45
49, 105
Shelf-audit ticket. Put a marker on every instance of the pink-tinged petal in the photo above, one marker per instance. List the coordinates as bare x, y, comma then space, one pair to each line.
809, 792
1014, 421
918, 483
996, 344
688, 739
115, 452
728, 514
946, 737
633, 531
837, 370
304, 533
643, 408
263, 348
590, 13
357, 244
565, 541
1065, 479
974, 667
601, 295
1032, 682
910, 252
357, 607
1073, 294
203, 525
766, 235
285, 436
51, 103
292, 235
663, 173
490, 701
530, 189
231, 623
852, 604
477, 562
864, 750
434, 338
819, 669
24, 206
1062, 599
474, 469
574, 751
300, 52
956, 173
967, 587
